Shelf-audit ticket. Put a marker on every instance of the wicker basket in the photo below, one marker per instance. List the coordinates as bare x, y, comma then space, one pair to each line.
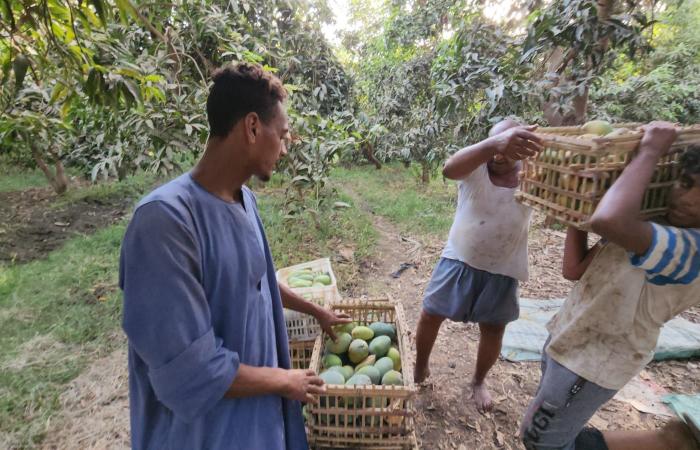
376, 417
300, 353
302, 326
569, 177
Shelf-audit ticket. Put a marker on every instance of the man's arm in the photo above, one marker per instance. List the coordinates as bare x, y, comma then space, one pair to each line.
325, 317
617, 216
577, 255
294, 384
516, 143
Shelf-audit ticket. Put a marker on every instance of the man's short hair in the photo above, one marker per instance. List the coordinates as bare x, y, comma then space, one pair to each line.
239, 89
690, 160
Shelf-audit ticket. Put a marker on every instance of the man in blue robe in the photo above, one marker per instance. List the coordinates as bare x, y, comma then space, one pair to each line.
208, 353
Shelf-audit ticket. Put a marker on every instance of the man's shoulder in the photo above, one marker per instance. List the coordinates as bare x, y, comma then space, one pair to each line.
672, 257
176, 193
248, 195
171, 202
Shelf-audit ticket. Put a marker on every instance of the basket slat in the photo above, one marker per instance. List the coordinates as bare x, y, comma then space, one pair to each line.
300, 353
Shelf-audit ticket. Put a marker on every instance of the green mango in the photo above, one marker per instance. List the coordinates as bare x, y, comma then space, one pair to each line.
340, 345
345, 371
324, 279
372, 372
331, 360
383, 329
358, 351
303, 275
346, 327
396, 357
599, 127
364, 333
380, 346
299, 283
392, 377
358, 380
384, 365
332, 377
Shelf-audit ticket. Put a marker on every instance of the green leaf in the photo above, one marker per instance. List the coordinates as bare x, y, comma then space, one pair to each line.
7, 14
100, 10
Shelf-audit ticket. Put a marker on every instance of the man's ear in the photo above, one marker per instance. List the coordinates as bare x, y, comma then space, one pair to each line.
252, 127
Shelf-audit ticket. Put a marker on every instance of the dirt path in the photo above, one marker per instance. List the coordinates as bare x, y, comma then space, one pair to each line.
446, 418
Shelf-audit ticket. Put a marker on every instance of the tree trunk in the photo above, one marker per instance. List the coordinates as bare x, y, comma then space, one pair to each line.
368, 152
557, 63
58, 180
425, 176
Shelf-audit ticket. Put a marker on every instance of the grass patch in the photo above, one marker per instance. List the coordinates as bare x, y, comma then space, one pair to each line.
293, 241
134, 186
395, 193
13, 179
62, 310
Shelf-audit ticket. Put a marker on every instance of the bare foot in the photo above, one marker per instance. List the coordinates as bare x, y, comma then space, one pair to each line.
481, 397
420, 374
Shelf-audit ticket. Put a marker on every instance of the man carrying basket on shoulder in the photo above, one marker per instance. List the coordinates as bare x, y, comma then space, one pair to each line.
643, 275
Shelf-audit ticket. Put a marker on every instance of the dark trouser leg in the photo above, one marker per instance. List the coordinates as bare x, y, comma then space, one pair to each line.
559, 412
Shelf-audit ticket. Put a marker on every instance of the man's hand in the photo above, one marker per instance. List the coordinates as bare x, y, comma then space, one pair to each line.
517, 143
302, 385
658, 137
327, 319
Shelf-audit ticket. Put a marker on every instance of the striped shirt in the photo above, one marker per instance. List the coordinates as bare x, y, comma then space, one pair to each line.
673, 256
607, 329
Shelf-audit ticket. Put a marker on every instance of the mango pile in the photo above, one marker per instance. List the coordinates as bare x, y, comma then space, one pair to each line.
582, 184
306, 277
362, 355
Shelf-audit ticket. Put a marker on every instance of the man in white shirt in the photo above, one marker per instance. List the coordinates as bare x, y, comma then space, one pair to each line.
605, 333
476, 279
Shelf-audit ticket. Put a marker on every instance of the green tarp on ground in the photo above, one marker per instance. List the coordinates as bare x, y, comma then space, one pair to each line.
525, 337
686, 406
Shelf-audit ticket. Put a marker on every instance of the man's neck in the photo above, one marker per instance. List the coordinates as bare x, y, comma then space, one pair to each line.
220, 173
507, 179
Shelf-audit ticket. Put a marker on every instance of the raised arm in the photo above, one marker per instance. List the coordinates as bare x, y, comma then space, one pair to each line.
516, 143
617, 217
577, 255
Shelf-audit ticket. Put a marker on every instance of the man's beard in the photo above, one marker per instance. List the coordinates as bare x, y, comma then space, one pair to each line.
264, 178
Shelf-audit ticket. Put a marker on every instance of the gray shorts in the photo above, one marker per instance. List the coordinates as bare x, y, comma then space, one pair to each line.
462, 293
560, 410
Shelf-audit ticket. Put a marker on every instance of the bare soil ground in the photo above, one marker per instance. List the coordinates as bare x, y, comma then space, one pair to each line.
31, 227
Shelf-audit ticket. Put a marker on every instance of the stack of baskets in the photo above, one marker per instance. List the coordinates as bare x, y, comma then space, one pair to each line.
367, 416
569, 177
302, 329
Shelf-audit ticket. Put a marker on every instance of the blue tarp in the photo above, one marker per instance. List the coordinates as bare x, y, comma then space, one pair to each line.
525, 337
686, 406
